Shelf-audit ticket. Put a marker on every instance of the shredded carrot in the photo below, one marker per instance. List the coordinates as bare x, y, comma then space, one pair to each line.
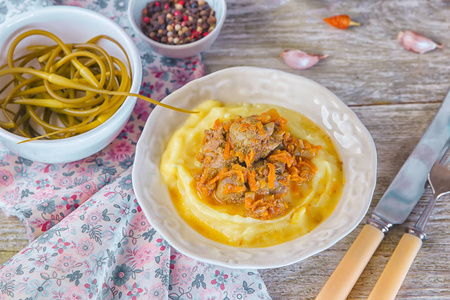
226, 151
227, 124
282, 156
309, 164
243, 171
248, 200
252, 181
244, 127
208, 159
250, 158
295, 175
256, 204
285, 181
204, 190
262, 183
240, 155
217, 124
204, 176
218, 176
260, 127
263, 118
276, 118
272, 175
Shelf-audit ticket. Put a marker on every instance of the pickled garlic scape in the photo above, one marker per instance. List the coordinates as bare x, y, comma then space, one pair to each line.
62, 90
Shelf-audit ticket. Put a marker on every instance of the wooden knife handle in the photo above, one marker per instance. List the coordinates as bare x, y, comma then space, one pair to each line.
396, 269
352, 264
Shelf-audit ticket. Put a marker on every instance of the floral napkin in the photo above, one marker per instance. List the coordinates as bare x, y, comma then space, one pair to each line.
89, 236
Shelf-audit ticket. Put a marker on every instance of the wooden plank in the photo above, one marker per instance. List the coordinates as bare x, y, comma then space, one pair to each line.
365, 65
13, 237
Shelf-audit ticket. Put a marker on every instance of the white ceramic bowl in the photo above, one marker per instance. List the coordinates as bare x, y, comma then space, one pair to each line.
71, 24
135, 8
257, 85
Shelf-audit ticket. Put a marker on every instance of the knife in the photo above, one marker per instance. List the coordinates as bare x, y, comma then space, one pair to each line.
393, 208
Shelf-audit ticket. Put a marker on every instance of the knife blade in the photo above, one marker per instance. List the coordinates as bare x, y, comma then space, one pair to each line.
394, 207
409, 184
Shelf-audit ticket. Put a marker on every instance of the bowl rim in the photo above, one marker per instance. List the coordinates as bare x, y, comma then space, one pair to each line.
142, 187
153, 43
133, 54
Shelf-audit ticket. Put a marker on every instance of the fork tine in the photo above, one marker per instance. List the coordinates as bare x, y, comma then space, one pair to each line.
438, 179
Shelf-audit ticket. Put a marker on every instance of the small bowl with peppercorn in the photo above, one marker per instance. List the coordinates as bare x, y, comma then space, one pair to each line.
177, 28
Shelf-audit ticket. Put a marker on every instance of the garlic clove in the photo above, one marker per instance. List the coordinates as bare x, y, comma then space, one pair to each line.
415, 42
300, 60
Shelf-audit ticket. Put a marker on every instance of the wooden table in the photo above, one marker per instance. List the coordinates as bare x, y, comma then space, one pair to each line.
394, 92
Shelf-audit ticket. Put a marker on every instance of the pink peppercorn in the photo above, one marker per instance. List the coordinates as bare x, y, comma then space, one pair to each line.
181, 2
205, 33
157, 3
194, 34
166, 6
176, 13
185, 18
146, 20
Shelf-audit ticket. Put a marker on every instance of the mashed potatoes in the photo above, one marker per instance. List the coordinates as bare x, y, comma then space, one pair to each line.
308, 203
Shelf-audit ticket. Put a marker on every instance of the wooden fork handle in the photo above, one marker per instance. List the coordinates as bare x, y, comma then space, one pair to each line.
396, 269
352, 264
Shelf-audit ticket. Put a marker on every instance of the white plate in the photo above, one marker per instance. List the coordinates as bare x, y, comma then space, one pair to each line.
257, 85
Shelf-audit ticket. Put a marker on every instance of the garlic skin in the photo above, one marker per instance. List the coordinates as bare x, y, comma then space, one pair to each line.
415, 42
300, 60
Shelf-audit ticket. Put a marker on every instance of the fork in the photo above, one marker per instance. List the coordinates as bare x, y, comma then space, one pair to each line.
398, 265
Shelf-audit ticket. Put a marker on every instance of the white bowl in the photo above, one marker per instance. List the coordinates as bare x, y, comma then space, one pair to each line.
257, 85
71, 24
135, 8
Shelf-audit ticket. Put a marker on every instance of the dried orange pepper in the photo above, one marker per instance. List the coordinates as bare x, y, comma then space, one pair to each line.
341, 21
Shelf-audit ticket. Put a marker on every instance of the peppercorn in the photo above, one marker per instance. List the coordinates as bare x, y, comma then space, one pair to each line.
177, 21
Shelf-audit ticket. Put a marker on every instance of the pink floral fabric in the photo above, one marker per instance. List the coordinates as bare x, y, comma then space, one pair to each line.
89, 238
